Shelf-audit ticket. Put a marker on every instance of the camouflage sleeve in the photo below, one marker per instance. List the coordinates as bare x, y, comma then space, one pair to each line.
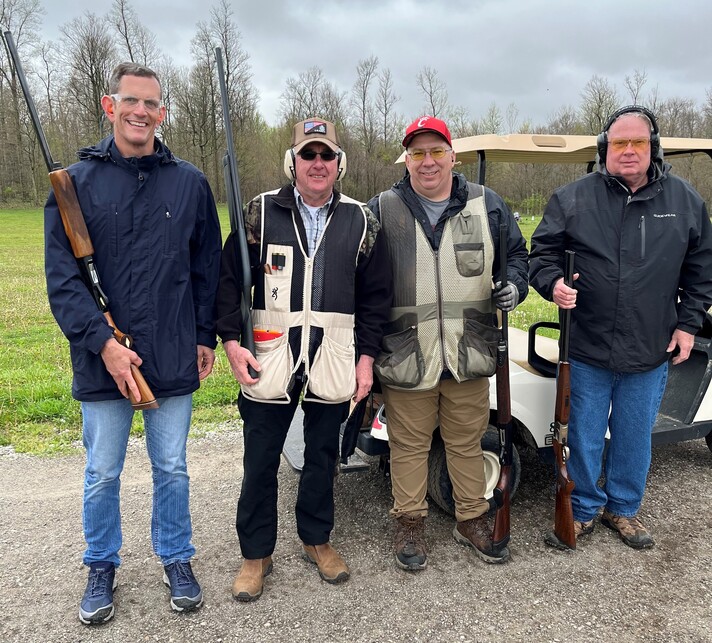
373, 226
253, 221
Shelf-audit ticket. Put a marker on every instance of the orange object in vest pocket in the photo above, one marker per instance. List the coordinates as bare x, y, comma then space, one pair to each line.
262, 335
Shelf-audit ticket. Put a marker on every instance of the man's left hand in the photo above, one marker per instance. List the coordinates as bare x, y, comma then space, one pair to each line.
682, 340
507, 298
206, 359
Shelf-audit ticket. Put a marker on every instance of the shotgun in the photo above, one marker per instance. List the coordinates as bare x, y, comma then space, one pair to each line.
564, 535
502, 492
77, 233
237, 221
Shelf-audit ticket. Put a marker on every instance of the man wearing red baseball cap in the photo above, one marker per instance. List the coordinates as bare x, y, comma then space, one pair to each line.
438, 349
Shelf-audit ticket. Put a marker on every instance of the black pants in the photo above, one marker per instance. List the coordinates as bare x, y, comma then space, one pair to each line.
265, 430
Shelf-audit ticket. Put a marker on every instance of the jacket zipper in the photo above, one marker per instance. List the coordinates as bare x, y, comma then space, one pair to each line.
167, 231
641, 227
438, 299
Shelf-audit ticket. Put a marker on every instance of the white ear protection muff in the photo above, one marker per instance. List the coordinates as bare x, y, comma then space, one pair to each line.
289, 163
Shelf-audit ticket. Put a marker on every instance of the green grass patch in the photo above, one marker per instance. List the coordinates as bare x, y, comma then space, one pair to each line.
37, 412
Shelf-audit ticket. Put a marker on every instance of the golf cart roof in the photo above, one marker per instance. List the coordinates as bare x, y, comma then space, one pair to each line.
552, 148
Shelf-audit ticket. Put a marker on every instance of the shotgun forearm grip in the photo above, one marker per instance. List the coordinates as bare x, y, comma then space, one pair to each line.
71, 213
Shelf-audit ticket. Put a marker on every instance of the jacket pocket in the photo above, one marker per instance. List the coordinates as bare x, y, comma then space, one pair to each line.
401, 362
470, 258
477, 350
332, 375
114, 229
276, 361
168, 248
278, 271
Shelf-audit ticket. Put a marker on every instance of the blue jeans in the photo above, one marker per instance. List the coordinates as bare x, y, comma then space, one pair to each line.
627, 403
106, 432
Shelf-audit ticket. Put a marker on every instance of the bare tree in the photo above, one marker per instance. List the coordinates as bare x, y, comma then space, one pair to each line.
564, 121
434, 91
492, 121
18, 151
386, 98
678, 117
90, 55
137, 41
600, 100
243, 96
635, 85
512, 117
362, 103
311, 95
461, 124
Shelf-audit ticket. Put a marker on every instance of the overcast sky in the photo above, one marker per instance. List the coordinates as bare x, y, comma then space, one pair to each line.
536, 54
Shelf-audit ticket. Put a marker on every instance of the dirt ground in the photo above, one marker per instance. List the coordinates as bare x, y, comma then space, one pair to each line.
605, 591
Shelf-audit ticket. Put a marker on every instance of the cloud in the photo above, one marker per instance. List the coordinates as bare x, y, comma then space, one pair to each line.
536, 54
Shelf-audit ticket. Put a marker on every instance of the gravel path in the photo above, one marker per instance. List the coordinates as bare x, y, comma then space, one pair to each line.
605, 591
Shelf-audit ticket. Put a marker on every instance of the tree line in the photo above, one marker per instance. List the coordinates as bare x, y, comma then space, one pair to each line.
68, 79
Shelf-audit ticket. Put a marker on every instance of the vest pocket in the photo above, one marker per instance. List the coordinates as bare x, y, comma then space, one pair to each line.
477, 350
332, 375
401, 362
276, 361
470, 258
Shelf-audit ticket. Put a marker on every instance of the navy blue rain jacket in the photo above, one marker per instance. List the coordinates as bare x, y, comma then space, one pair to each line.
156, 237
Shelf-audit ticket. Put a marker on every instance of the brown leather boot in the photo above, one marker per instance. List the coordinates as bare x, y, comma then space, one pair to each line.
409, 542
331, 566
476, 533
248, 583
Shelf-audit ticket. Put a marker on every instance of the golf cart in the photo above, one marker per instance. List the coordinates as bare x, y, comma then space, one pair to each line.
686, 409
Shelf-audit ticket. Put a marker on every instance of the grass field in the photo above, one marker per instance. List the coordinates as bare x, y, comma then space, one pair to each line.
37, 412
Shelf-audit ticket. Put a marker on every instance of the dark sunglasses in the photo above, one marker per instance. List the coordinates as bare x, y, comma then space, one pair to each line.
310, 155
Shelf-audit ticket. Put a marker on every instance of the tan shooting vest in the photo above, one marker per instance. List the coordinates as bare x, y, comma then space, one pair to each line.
442, 317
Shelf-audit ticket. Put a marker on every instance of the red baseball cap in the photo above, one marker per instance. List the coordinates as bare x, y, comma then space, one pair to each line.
427, 124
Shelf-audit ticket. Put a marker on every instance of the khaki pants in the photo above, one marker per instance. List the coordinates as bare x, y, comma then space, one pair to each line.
463, 413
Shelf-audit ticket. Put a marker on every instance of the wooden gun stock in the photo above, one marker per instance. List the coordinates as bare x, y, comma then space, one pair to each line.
563, 516
564, 536
502, 492
71, 212
147, 399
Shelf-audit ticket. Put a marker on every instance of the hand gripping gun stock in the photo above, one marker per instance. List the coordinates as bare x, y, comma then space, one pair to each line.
77, 233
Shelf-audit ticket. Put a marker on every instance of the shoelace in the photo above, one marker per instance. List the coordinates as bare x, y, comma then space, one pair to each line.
183, 573
99, 579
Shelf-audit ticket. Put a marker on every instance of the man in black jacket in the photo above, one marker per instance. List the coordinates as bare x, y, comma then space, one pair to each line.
643, 244
439, 345
321, 297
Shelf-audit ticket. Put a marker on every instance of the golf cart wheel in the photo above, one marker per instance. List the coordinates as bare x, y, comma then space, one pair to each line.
708, 439
439, 485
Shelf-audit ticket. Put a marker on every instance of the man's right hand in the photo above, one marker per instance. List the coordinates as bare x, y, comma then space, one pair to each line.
118, 360
563, 296
239, 359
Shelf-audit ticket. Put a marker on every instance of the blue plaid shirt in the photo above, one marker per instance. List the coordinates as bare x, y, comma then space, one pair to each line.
314, 220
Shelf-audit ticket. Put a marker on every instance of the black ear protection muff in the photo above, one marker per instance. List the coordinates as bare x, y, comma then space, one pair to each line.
602, 139
289, 163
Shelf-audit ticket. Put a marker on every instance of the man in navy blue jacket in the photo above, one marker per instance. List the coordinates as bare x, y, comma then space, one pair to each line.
153, 224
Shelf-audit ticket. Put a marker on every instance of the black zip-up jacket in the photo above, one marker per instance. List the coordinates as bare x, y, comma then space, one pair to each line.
497, 214
636, 254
